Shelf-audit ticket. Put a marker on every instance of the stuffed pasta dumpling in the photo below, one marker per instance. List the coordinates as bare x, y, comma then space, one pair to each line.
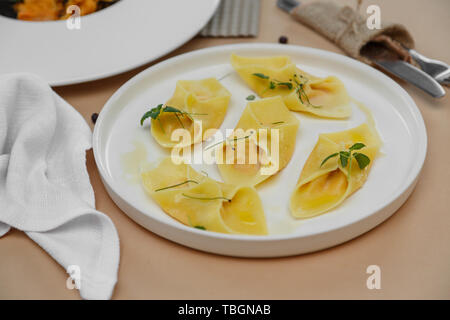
193, 100
278, 75
201, 202
267, 132
338, 166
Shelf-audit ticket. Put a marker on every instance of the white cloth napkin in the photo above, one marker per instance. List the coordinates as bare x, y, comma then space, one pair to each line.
44, 185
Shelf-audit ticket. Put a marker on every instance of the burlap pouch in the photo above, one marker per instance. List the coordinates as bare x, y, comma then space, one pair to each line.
346, 27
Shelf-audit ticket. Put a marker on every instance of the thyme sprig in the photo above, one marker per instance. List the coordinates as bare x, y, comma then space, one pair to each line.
300, 90
346, 156
228, 139
155, 113
273, 83
176, 185
205, 198
298, 82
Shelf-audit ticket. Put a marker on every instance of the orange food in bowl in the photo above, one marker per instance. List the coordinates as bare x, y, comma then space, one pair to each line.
42, 10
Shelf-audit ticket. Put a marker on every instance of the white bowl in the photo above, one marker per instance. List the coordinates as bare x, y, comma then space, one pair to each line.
118, 38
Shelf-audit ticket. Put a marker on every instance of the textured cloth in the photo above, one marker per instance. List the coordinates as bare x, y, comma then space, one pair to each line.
347, 28
234, 18
44, 185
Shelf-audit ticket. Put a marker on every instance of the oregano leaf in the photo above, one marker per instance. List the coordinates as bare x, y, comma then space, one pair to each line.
171, 109
328, 158
362, 159
153, 113
343, 157
261, 75
272, 85
357, 146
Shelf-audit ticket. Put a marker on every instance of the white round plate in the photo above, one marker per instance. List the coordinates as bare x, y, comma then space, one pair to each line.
121, 37
390, 181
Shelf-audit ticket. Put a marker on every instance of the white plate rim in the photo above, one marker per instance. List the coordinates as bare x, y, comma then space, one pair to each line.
401, 195
129, 66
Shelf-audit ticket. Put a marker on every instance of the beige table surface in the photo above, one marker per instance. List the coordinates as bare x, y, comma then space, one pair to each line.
412, 248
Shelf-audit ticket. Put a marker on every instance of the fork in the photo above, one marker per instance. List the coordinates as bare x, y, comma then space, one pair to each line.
439, 70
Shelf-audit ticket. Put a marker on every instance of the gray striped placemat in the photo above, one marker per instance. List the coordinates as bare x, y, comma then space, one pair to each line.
234, 18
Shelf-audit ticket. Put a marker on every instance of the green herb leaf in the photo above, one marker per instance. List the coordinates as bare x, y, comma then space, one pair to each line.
343, 157
328, 158
195, 114
261, 75
299, 86
206, 199
234, 139
349, 169
153, 113
357, 146
272, 85
200, 227
251, 97
145, 117
287, 84
176, 112
156, 112
161, 126
179, 120
362, 159
176, 185
301, 91
278, 122
172, 109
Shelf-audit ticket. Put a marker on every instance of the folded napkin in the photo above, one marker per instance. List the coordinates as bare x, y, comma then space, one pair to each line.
347, 27
44, 185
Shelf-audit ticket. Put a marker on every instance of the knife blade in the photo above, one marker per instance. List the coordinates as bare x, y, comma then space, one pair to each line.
412, 75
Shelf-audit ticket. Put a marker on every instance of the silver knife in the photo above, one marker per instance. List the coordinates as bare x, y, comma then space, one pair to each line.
413, 75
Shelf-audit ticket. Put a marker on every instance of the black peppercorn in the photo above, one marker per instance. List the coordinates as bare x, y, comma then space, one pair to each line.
283, 39
94, 117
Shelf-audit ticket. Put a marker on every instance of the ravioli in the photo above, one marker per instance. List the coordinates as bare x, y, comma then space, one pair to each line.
204, 101
201, 202
324, 182
258, 160
279, 76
